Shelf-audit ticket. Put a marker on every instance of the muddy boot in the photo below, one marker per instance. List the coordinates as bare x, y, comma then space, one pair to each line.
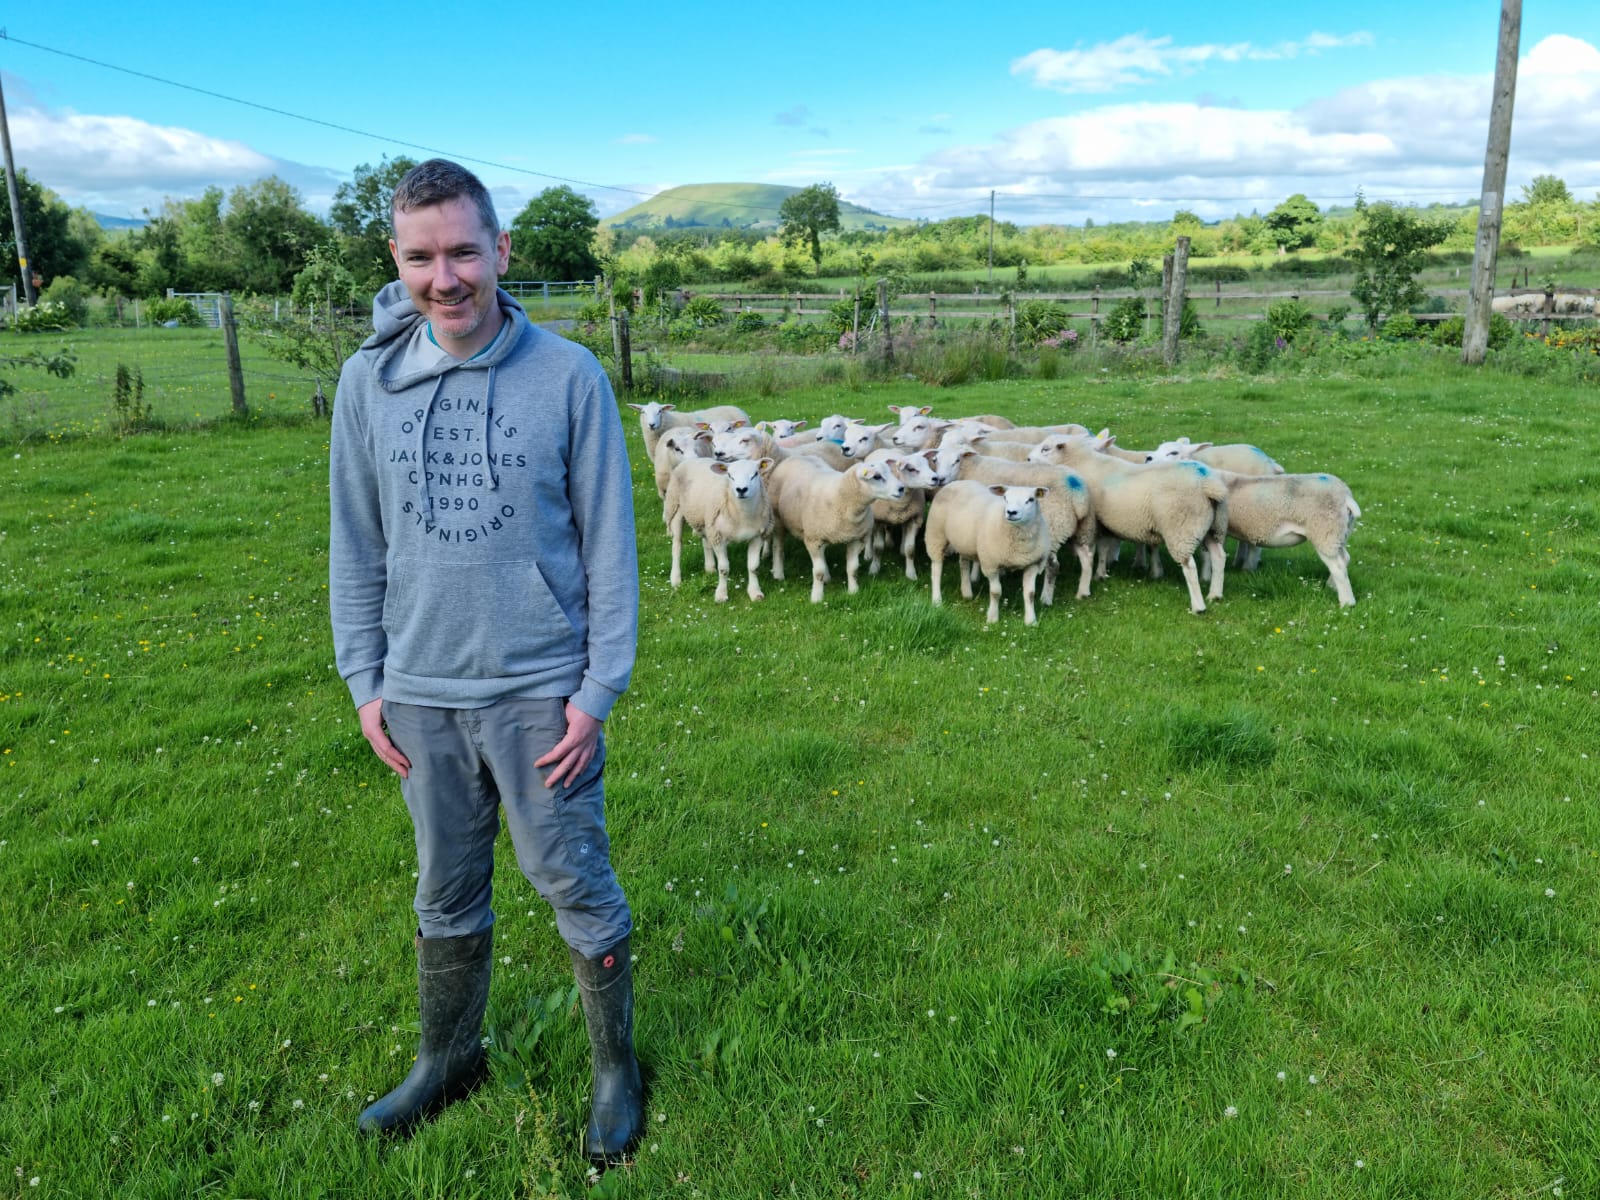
453, 989
616, 1112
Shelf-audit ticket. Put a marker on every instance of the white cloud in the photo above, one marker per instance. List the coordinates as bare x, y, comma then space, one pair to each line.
1415, 139
1135, 59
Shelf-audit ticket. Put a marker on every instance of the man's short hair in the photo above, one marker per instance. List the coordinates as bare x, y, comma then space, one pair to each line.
437, 181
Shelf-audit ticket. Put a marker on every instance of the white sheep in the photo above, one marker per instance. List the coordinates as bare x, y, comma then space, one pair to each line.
1181, 505
907, 412
747, 441
673, 447
859, 439
824, 507
723, 503
995, 526
655, 419
783, 427
1238, 457
1285, 510
1067, 506
906, 515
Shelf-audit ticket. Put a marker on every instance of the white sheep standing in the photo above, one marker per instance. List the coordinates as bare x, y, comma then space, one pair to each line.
673, 447
1238, 457
997, 527
824, 507
723, 503
1181, 505
1285, 510
906, 515
1067, 505
656, 418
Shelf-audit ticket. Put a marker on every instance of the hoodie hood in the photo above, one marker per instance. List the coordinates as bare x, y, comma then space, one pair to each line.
395, 319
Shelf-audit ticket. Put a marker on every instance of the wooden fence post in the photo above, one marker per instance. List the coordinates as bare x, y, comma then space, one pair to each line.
1219, 293
883, 318
933, 310
626, 351
1176, 286
1094, 314
230, 335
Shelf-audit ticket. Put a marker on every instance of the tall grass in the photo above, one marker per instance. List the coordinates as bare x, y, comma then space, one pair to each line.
1281, 900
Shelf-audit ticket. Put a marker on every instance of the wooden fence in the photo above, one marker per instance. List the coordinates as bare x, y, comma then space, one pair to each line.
935, 307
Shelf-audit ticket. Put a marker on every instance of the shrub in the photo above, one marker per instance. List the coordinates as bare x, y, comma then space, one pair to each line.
1288, 319
176, 308
1040, 319
805, 337
1401, 325
703, 311
48, 316
71, 295
129, 410
749, 322
1260, 346
1126, 319
1337, 313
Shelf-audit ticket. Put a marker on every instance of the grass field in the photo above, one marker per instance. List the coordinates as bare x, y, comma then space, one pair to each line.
1280, 900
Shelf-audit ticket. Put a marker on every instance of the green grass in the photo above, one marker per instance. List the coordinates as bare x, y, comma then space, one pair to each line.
901, 880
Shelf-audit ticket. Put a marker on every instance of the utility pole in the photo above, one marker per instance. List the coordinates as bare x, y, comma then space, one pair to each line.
1480, 293
991, 239
28, 290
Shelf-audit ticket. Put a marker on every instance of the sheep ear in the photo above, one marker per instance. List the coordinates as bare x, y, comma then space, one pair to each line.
1039, 492
635, 407
799, 425
1200, 446
932, 457
766, 465
739, 424
719, 468
762, 427
669, 407
997, 489
924, 410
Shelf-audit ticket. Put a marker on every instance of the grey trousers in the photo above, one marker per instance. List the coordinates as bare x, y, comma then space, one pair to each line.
469, 763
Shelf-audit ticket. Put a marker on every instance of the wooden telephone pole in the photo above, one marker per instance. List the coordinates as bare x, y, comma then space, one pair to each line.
1480, 293
28, 290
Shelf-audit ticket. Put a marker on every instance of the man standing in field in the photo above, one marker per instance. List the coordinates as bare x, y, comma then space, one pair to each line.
484, 593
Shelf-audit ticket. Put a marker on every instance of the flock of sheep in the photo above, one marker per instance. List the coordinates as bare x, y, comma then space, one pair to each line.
996, 496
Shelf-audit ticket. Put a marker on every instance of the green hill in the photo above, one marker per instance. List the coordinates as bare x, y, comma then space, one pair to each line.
732, 206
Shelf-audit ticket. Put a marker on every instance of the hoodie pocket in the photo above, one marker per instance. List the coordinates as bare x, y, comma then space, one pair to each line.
454, 620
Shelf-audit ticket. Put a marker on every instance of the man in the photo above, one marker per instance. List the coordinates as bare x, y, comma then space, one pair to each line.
484, 593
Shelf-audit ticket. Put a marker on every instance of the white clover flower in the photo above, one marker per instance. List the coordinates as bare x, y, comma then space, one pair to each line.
216, 1079
1230, 1112
1110, 1053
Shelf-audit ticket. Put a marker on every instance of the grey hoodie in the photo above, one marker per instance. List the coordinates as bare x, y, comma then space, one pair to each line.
481, 521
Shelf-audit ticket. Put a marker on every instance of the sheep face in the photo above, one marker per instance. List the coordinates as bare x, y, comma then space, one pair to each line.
651, 413
880, 481
745, 476
1022, 503
861, 440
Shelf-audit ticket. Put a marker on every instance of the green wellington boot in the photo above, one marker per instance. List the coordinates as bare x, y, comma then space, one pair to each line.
453, 990
616, 1112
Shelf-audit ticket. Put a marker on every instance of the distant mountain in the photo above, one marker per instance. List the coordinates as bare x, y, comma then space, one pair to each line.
106, 222
732, 206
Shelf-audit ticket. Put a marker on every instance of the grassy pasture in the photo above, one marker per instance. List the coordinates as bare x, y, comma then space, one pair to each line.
1275, 901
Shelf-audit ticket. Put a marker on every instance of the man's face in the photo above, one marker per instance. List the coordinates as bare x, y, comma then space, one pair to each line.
450, 264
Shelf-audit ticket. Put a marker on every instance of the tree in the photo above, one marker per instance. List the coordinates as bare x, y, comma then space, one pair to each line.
47, 221
1295, 223
1388, 256
360, 212
1547, 189
269, 234
553, 236
807, 215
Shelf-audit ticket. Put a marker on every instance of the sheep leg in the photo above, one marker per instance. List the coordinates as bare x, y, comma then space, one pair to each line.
710, 554
1217, 556
1191, 576
777, 554
908, 547
874, 549
936, 569
1030, 575
1052, 568
752, 563
1085, 554
677, 550
966, 576
1153, 558
994, 596
721, 554
852, 560
819, 571
1339, 575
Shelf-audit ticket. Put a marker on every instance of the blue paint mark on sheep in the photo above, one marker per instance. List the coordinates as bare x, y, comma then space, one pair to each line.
1074, 484
1324, 478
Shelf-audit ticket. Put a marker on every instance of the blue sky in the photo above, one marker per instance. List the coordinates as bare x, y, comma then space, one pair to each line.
1067, 112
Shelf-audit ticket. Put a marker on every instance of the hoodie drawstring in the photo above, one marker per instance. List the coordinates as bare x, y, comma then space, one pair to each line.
422, 451
488, 429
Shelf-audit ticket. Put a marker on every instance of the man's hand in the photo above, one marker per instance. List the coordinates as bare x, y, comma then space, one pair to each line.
575, 751
371, 715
